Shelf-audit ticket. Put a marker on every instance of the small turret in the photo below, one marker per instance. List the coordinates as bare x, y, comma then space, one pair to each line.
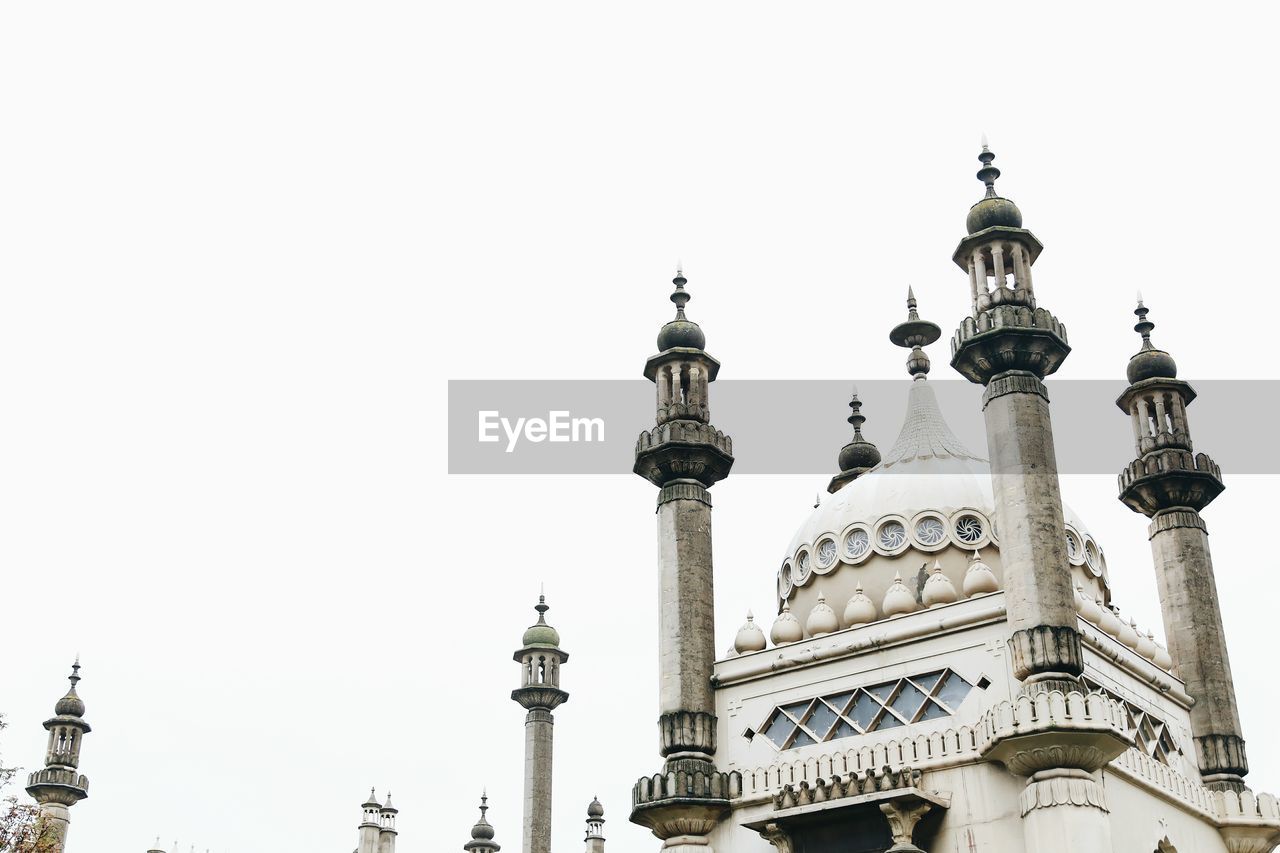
370, 824
540, 658
482, 833
595, 827
387, 826
858, 456
59, 785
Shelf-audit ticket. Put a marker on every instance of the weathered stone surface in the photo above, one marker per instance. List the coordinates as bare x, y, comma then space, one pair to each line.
686, 615
1024, 474
1046, 649
538, 733
1197, 643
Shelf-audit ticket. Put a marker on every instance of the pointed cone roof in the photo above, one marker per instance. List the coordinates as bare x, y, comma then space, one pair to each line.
373, 800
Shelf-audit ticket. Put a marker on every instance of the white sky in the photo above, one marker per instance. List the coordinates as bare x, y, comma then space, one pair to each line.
243, 246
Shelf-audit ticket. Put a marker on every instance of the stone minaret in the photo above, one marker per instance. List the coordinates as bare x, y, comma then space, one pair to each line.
387, 826
595, 827
1170, 483
1009, 344
540, 658
370, 824
684, 455
482, 833
59, 785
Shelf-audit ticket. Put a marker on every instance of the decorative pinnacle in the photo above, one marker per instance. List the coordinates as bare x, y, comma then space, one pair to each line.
542, 607
484, 802
680, 297
915, 334
1143, 326
988, 173
856, 418
74, 678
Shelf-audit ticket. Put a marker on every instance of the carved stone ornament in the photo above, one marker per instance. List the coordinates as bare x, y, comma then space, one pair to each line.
903, 818
1062, 788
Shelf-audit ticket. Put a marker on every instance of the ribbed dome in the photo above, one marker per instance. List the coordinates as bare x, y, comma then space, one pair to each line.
1151, 364
70, 705
681, 333
991, 212
859, 454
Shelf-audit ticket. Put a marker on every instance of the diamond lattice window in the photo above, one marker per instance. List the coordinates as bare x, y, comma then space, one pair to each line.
876, 707
1150, 732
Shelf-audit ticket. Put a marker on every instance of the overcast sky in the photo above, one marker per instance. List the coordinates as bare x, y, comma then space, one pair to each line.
244, 245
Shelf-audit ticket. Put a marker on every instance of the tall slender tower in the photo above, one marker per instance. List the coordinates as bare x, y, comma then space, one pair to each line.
387, 826
1009, 344
59, 785
684, 455
1170, 483
482, 833
595, 827
540, 657
370, 824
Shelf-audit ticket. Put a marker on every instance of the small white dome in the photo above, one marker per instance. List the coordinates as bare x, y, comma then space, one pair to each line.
1087, 607
1162, 658
938, 589
979, 578
898, 600
1110, 622
822, 619
750, 638
1147, 645
786, 628
1128, 634
860, 610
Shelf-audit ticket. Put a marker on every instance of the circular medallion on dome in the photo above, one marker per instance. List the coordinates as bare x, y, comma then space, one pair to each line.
891, 537
930, 531
1092, 559
857, 544
826, 555
785, 586
800, 573
969, 530
1075, 553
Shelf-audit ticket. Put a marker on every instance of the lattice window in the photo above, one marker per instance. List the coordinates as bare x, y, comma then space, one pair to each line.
867, 709
1151, 734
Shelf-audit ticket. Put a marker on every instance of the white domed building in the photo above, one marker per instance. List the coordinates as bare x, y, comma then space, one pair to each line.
947, 670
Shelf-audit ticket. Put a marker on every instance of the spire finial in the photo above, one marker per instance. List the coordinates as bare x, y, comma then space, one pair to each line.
542, 607
1143, 326
914, 334
680, 297
74, 678
484, 801
988, 173
856, 418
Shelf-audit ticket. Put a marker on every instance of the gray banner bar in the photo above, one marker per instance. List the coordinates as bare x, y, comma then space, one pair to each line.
797, 427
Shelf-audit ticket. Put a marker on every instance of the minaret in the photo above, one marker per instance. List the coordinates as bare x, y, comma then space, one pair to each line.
482, 833
1170, 483
595, 827
540, 658
1009, 344
387, 826
858, 456
684, 455
370, 824
59, 785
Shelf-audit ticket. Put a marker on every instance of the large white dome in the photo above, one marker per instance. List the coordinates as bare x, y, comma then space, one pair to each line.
929, 499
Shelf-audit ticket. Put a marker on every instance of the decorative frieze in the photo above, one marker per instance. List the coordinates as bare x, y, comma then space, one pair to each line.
1046, 649
1063, 787
687, 731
